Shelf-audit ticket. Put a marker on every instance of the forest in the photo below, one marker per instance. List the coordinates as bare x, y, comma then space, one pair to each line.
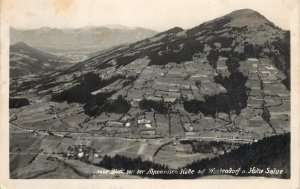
268, 153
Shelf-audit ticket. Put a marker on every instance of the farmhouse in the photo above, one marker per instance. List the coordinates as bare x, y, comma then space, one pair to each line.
148, 132
170, 100
153, 98
252, 59
114, 124
143, 121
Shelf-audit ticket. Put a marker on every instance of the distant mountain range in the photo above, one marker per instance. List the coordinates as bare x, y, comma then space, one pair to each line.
86, 39
74, 45
25, 60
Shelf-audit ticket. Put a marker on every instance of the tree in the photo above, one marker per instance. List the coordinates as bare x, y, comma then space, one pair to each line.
233, 64
213, 57
249, 50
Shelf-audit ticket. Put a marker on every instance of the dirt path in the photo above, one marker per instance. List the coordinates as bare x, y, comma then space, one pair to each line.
142, 149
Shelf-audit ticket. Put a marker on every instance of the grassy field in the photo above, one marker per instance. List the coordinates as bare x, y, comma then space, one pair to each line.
177, 155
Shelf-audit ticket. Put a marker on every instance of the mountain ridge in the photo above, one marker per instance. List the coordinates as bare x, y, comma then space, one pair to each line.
68, 39
25, 60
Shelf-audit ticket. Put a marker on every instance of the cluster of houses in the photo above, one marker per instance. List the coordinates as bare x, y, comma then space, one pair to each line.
81, 152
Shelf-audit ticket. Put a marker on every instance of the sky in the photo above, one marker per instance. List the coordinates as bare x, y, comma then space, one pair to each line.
158, 15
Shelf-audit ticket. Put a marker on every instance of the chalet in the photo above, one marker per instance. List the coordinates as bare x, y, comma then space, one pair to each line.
222, 89
198, 76
254, 65
144, 121
114, 124
170, 100
80, 154
270, 67
153, 98
125, 118
186, 86
221, 68
173, 90
223, 116
188, 133
252, 59
190, 97
267, 82
148, 132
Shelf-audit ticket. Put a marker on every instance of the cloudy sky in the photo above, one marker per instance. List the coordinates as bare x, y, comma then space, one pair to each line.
153, 14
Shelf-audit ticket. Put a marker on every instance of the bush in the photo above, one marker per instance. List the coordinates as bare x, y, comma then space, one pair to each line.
233, 64
150, 105
18, 102
213, 57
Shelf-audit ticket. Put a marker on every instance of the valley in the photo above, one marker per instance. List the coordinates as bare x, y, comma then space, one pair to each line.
173, 99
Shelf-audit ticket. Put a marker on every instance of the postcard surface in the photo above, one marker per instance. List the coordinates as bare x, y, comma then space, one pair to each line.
134, 93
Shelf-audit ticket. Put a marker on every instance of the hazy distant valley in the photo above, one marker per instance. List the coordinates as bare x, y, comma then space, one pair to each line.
79, 43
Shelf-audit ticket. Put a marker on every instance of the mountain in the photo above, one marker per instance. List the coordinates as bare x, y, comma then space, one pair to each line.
199, 92
81, 41
208, 70
25, 60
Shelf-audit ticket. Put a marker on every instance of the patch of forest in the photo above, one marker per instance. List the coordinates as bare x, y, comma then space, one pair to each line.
81, 93
271, 152
18, 102
235, 99
94, 105
176, 51
100, 104
158, 106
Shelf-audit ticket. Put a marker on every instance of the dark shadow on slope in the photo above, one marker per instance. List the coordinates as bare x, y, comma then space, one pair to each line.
177, 51
282, 59
124, 60
82, 93
235, 99
18, 102
158, 106
210, 107
99, 105
271, 152
43, 79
